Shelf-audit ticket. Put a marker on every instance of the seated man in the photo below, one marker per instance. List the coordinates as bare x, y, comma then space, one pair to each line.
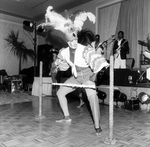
146, 52
53, 71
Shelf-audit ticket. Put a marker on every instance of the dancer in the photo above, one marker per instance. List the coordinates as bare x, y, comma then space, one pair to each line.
78, 58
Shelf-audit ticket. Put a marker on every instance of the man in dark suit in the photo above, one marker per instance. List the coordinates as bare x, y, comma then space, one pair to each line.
120, 51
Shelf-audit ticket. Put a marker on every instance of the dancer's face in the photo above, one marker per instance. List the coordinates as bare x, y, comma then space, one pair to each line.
73, 43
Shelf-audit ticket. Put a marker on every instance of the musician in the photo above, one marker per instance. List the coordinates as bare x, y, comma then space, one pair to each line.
146, 43
76, 56
120, 51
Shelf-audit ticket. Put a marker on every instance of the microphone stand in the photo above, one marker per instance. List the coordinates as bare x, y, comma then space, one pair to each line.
106, 43
141, 57
140, 77
106, 46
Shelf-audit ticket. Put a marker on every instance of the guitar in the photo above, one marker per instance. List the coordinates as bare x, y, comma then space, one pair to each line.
105, 43
117, 51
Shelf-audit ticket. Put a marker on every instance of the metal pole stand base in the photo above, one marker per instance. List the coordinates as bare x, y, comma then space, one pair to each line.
110, 141
40, 117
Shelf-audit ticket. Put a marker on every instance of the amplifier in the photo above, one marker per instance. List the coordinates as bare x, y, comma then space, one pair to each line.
14, 85
132, 104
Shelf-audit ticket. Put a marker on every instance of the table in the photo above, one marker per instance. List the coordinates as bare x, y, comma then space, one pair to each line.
47, 87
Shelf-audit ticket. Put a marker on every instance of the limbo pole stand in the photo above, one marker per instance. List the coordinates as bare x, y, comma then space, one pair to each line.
110, 140
40, 116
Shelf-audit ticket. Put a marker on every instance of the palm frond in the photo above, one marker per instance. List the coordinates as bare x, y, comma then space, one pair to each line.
18, 47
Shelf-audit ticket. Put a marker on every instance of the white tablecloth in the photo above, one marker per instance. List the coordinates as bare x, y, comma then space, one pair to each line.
47, 87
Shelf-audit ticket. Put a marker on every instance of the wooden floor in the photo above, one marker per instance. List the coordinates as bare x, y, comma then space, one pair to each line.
19, 126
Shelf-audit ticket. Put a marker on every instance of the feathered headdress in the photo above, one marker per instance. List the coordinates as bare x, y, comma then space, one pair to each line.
66, 25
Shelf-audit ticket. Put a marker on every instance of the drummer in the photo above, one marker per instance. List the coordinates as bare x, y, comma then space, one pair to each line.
146, 53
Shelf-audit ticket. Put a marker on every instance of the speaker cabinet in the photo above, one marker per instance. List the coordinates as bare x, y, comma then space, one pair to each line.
125, 77
43, 54
122, 77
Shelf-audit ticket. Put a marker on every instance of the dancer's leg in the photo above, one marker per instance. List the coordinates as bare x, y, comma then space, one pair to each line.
94, 104
61, 94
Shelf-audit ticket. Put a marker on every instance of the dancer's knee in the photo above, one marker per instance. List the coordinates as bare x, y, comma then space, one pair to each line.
59, 93
93, 98
62, 92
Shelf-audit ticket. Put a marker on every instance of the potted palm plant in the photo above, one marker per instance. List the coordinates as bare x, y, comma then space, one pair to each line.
18, 47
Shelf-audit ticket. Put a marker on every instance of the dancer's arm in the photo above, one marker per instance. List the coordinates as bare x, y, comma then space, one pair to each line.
60, 62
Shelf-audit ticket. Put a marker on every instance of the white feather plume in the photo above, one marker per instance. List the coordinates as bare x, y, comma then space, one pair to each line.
56, 20
66, 25
82, 17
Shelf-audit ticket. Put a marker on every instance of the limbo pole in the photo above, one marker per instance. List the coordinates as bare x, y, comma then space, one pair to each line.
110, 140
40, 92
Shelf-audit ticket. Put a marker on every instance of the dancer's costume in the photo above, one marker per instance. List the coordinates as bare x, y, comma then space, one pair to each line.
86, 61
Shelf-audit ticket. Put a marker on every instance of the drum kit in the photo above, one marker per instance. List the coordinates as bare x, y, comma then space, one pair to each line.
145, 55
145, 60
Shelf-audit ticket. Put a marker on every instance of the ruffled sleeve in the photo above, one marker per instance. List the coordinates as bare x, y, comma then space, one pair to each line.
95, 61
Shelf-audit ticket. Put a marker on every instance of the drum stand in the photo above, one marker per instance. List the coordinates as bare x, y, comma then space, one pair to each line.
141, 57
